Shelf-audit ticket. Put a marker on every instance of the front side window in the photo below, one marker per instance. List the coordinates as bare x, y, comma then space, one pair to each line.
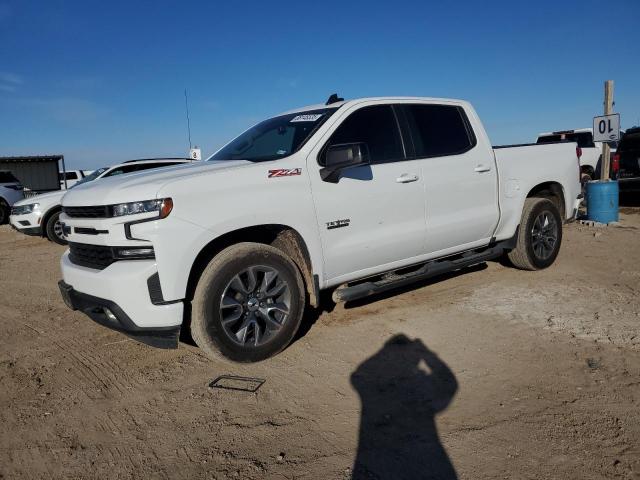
439, 130
274, 138
377, 127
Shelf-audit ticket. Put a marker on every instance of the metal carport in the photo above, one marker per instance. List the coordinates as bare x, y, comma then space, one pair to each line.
37, 173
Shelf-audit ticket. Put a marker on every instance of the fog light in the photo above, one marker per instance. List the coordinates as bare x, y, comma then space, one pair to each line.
145, 252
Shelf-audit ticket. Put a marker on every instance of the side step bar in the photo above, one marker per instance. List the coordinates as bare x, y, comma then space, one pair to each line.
430, 269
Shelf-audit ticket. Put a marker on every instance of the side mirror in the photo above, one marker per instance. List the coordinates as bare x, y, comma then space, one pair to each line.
341, 156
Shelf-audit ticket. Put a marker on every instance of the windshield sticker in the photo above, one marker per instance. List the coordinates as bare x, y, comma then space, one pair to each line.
284, 172
310, 117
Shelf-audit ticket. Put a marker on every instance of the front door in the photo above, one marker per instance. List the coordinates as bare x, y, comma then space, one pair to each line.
374, 215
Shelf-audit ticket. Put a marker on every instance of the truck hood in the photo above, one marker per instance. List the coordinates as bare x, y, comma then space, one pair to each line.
142, 185
43, 199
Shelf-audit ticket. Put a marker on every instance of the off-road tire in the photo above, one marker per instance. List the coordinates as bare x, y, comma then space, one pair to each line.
523, 256
50, 229
207, 330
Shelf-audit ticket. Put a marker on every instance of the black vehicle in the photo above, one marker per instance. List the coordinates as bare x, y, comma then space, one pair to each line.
626, 161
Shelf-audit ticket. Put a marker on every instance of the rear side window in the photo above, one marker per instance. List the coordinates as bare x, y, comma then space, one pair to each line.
377, 127
439, 130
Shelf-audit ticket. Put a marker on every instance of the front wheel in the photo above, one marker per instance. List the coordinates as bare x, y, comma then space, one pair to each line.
539, 235
53, 229
248, 303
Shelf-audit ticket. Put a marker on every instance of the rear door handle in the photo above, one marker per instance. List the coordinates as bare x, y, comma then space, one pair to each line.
482, 168
407, 178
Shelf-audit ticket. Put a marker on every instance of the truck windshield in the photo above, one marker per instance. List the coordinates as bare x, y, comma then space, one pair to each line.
274, 138
93, 176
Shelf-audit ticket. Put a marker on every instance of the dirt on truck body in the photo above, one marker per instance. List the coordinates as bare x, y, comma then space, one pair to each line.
487, 373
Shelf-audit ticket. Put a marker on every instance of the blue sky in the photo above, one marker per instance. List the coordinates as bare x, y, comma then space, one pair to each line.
102, 82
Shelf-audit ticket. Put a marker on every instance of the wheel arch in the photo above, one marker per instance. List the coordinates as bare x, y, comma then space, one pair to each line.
47, 216
552, 191
282, 237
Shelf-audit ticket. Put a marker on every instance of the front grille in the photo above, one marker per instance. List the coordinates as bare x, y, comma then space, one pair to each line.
92, 256
100, 211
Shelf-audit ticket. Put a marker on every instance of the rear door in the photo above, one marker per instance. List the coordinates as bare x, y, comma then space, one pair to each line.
460, 178
373, 216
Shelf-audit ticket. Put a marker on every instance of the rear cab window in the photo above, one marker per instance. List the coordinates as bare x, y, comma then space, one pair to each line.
630, 142
583, 139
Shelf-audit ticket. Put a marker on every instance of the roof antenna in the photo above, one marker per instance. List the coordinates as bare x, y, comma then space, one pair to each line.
186, 106
334, 99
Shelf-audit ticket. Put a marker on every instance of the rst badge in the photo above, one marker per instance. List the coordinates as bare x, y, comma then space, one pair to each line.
284, 172
338, 224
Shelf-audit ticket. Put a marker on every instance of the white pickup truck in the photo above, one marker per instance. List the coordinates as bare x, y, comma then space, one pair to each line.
358, 196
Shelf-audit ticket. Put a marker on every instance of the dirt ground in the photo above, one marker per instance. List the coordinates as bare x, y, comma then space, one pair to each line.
494, 373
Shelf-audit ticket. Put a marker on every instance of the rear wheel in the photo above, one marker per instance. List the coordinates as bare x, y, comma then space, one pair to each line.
53, 229
248, 303
539, 236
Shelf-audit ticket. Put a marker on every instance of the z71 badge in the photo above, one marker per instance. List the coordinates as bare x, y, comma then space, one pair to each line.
284, 172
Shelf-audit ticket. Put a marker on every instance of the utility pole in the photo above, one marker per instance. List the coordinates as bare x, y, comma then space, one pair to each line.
608, 110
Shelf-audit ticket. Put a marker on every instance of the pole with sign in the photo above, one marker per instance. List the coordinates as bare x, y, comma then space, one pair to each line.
195, 153
606, 129
602, 196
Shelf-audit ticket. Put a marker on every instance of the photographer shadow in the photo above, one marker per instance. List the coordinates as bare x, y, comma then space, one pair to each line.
402, 387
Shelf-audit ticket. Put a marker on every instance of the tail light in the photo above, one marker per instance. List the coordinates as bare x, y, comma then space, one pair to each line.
578, 155
615, 163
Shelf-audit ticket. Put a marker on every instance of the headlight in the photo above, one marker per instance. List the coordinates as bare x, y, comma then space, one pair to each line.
163, 206
24, 209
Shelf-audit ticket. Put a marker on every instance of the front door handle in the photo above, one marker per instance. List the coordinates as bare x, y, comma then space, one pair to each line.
407, 178
481, 168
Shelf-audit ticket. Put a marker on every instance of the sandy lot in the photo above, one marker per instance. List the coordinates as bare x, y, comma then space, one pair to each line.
494, 373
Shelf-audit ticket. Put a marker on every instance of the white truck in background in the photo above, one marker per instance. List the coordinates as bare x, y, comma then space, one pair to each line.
69, 178
591, 152
358, 196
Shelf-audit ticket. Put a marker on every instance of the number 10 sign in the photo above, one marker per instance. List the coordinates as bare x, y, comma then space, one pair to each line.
606, 128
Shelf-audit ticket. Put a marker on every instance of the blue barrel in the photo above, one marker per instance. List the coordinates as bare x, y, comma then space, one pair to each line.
602, 201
